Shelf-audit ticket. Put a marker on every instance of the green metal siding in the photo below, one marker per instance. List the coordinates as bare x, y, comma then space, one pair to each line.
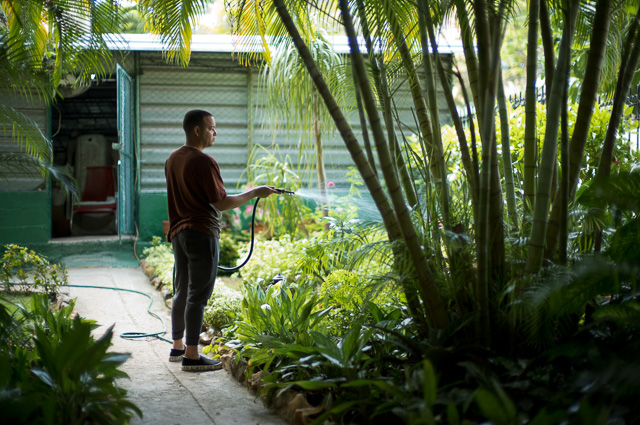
24, 217
217, 83
212, 82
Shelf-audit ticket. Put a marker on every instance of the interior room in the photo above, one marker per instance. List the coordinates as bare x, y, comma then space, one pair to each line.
84, 132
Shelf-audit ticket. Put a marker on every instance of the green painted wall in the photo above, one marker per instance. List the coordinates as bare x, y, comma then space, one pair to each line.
25, 217
152, 210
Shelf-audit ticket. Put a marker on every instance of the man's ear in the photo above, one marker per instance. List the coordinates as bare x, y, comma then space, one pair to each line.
196, 130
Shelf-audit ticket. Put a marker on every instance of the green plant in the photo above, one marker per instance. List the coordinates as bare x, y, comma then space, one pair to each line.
283, 214
25, 269
160, 256
229, 254
271, 257
223, 307
52, 370
349, 294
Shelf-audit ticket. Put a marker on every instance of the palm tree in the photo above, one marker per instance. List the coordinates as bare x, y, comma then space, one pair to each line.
40, 41
396, 35
284, 80
549, 149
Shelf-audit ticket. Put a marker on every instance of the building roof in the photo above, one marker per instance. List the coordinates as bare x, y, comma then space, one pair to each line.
224, 43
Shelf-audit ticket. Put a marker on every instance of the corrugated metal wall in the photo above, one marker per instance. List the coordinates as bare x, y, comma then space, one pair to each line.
211, 82
35, 109
217, 83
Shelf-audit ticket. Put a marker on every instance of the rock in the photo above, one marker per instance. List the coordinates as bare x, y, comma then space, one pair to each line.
239, 373
149, 271
306, 415
156, 282
255, 383
166, 293
227, 360
206, 337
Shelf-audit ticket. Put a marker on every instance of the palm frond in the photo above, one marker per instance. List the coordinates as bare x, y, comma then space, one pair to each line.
173, 21
22, 166
25, 132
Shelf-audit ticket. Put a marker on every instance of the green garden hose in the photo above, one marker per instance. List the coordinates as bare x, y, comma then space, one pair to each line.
134, 335
128, 335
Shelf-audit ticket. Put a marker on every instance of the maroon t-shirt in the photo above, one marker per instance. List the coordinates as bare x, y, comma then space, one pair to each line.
193, 185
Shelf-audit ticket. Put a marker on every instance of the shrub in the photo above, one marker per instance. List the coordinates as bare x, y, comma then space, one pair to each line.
27, 270
160, 256
228, 251
272, 257
52, 370
223, 307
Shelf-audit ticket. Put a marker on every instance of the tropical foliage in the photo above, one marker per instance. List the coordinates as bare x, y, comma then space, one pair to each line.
22, 269
487, 310
40, 43
52, 370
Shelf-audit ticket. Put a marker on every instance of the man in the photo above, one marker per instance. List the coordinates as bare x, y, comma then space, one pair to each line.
195, 197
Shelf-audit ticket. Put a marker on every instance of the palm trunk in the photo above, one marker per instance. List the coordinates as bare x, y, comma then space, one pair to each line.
424, 15
357, 154
626, 74
546, 33
564, 186
507, 167
363, 126
433, 142
489, 59
470, 57
472, 130
530, 130
496, 221
582, 125
401, 166
549, 148
430, 294
322, 176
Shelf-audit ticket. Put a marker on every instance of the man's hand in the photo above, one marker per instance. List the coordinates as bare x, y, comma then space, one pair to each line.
265, 191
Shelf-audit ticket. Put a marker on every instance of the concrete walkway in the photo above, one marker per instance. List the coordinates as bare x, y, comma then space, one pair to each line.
164, 393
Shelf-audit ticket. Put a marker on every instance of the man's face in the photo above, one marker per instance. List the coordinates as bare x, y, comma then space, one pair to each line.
208, 131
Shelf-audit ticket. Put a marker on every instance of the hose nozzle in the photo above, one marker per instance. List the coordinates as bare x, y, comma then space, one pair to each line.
286, 192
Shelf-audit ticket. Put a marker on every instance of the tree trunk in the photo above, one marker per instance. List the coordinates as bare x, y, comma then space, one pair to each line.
423, 11
507, 167
488, 59
546, 33
625, 77
472, 131
564, 183
432, 142
530, 130
549, 155
430, 294
357, 154
401, 166
582, 125
363, 126
322, 176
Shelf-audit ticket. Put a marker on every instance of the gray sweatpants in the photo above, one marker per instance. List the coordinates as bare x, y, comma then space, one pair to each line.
196, 267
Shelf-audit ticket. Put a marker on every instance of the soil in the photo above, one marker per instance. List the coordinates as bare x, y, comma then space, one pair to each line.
164, 393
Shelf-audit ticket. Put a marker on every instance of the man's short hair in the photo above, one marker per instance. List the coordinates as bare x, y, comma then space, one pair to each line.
193, 118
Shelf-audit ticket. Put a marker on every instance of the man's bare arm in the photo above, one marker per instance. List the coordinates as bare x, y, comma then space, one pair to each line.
234, 201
